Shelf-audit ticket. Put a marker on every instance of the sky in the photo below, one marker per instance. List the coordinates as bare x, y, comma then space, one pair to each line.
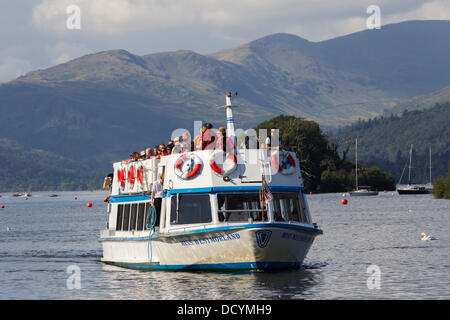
37, 34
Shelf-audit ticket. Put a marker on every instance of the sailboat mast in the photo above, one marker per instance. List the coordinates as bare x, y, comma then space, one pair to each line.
356, 163
409, 171
430, 165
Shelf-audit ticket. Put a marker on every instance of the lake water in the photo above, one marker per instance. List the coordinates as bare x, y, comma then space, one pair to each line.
42, 238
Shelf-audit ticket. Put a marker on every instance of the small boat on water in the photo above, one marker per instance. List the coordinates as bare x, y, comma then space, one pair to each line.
24, 194
239, 209
411, 188
53, 195
361, 190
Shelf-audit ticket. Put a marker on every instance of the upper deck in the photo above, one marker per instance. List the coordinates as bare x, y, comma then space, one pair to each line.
247, 171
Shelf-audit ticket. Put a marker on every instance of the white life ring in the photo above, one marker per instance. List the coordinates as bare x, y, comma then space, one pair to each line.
221, 171
187, 166
286, 165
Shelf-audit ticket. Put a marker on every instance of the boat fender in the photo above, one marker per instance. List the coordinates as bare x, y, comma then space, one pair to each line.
195, 164
286, 165
218, 170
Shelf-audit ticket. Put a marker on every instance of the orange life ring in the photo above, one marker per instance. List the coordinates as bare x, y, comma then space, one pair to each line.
195, 164
287, 166
218, 170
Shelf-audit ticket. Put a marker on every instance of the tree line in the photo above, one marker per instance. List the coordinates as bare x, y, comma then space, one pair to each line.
323, 167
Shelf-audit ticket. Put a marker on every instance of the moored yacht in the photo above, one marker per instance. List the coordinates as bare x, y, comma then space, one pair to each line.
361, 190
411, 188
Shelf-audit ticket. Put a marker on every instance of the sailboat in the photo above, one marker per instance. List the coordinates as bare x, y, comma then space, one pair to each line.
410, 188
430, 184
361, 190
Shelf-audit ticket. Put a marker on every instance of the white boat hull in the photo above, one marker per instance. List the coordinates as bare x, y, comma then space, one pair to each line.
250, 246
363, 193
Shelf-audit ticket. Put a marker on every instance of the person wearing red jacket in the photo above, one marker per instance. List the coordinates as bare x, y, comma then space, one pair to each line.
208, 137
223, 142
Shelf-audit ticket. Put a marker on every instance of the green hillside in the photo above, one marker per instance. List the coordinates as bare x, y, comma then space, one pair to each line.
386, 141
323, 169
25, 169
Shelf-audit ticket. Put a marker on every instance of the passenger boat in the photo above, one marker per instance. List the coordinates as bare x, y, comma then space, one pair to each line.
248, 211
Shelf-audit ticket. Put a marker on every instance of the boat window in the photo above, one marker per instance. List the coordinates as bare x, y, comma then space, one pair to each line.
141, 215
133, 216
241, 207
289, 206
126, 217
119, 217
190, 208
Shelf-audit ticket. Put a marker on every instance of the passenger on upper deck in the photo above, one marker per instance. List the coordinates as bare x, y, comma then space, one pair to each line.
134, 156
182, 143
198, 140
251, 140
223, 142
208, 137
170, 145
142, 155
273, 141
162, 151
148, 153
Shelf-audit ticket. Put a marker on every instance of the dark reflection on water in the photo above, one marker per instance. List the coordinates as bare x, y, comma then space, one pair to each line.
41, 237
286, 284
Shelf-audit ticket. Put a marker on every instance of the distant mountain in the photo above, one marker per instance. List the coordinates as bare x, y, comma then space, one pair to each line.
422, 102
385, 141
98, 108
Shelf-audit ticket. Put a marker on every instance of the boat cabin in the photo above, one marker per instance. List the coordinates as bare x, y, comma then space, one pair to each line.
207, 198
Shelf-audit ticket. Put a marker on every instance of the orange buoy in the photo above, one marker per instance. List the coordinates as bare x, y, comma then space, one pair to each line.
344, 201
89, 204
2, 206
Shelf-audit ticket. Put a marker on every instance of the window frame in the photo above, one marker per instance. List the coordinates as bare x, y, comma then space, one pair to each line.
175, 200
247, 211
303, 210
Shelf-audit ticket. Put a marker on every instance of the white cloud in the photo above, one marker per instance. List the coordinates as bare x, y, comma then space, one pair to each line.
317, 20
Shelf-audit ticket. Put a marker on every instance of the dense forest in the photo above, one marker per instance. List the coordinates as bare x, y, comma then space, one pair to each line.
25, 169
441, 187
385, 142
323, 168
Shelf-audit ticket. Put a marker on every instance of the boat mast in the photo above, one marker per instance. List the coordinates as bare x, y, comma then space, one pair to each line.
230, 120
356, 164
409, 171
430, 165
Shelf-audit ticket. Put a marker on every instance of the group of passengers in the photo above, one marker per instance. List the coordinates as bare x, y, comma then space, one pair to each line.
206, 140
